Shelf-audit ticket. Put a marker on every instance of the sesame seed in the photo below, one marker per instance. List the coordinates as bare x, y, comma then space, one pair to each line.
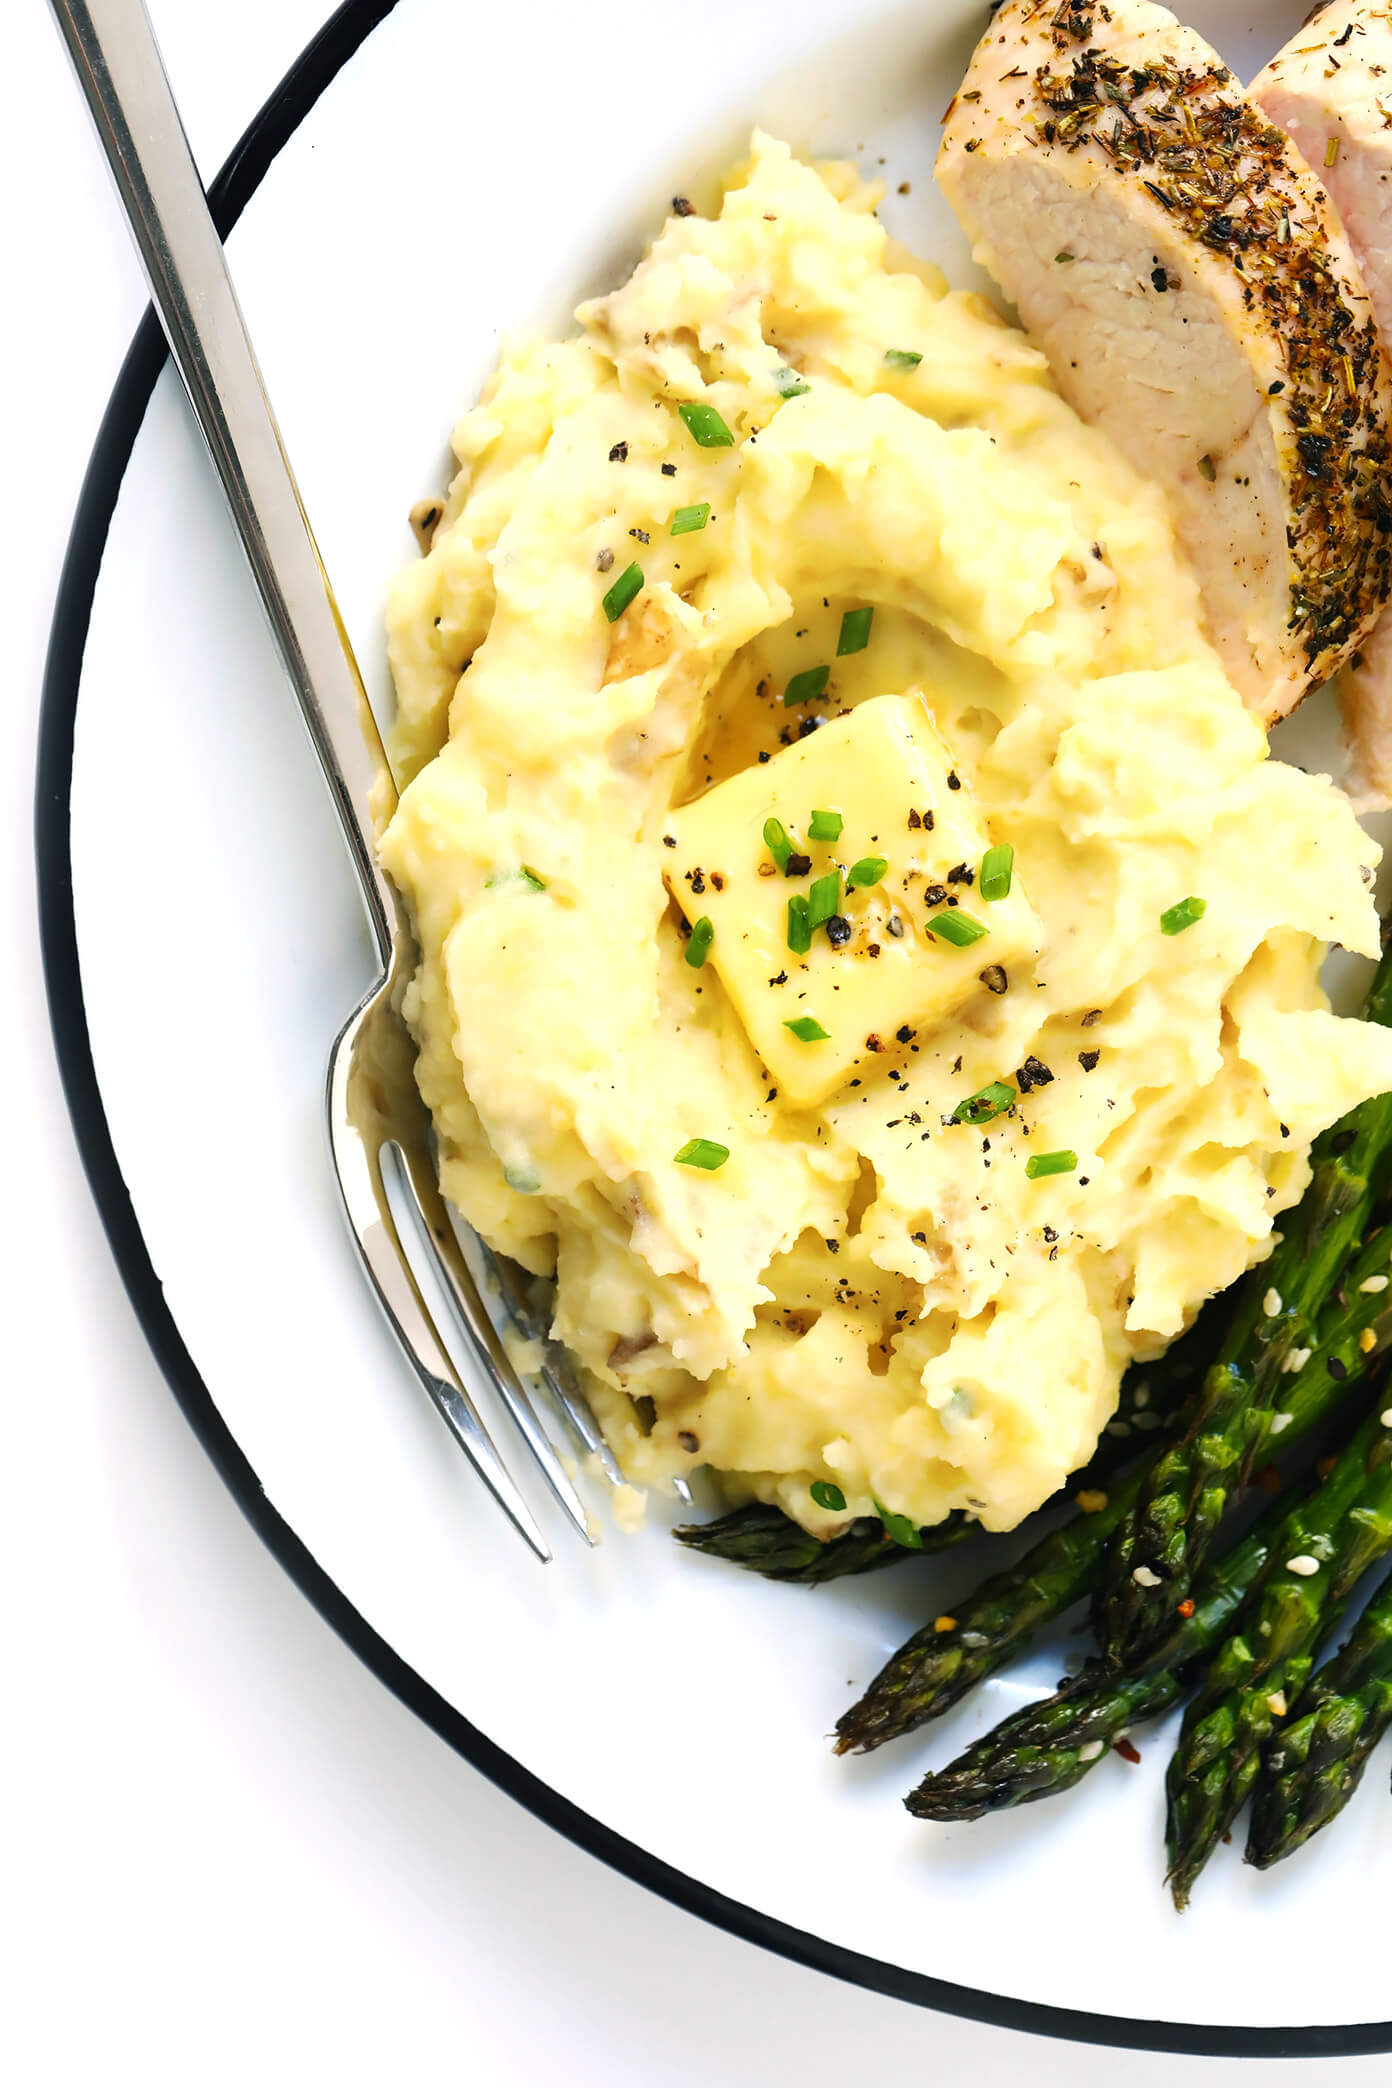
944, 1623
973, 1638
1089, 1751
1302, 1564
1386, 1417
1367, 1341
1276, 1703
1373, 1285
1091, 1500
1271, 1303
1278, 1422
1296, 1360
1144, 1578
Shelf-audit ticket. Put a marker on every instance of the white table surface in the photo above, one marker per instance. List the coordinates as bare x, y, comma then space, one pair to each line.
230, 1855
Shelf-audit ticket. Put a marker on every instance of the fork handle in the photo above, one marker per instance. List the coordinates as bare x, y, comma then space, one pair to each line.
122, 75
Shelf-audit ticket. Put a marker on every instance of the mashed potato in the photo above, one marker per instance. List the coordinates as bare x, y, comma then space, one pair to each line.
871, 1289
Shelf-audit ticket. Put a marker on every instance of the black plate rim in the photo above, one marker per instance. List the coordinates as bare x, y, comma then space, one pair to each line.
311, 75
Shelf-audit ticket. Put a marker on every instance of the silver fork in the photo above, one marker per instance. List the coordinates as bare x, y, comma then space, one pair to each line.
378, 1125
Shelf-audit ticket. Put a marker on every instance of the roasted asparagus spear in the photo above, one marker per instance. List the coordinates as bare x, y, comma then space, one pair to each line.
1321, 1549
1315, 1762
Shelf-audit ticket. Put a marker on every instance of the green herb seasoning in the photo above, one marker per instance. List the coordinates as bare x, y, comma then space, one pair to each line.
825, 826
699, 941
997, 868
808, 1030
902, 358
788, 384
855, 631
868, 871
900, 1528
799, 927
702, 1152
628, 584
823, 899
990, 1101
530, 877
688, 518
957, 927
1049, 1163
805, 687
778, 841
705, 425
1177, 918
827, 1496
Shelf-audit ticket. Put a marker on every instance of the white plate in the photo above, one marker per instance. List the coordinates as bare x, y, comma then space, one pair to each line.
430, 175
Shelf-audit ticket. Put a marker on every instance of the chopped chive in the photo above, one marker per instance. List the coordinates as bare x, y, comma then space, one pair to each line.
957, 927
823, 899
778, 841
705, 425
868, 871
525, 875
997, 867
825, 826
702, 1152
804, 687
799, 927
902, 358
622, 592
991, 1101
1183, 915
788, 384
827, 1496
688, 518
855, 632
1064, 256
1049, 1163
699, 941
807, 1030
899, 1527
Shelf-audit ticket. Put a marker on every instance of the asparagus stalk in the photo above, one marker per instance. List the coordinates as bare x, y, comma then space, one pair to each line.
769, 1542
1161, 1543
765, 1540
936, 1667
1050, 1746
1323, 1546
1316, 1762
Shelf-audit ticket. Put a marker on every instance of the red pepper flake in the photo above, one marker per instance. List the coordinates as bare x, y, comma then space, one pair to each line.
1186, 1608
682, 208
873, 1043
1126, 1749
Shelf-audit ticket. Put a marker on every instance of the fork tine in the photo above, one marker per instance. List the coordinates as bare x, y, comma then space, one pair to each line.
556, 1373
393, 1280
462, 1291
375, 1236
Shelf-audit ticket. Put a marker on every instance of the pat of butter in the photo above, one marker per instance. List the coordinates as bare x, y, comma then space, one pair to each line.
886, 771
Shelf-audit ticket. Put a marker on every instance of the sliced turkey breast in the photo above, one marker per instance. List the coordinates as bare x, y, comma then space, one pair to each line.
1197, 298
1330, 90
